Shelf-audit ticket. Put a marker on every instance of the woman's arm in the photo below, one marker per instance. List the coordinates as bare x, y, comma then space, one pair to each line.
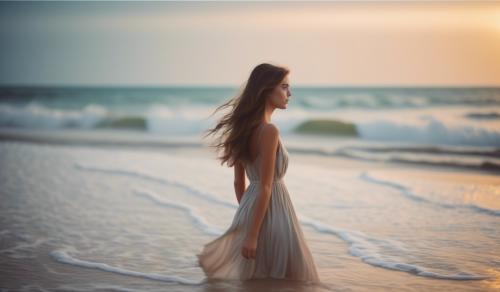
268, 147
239, 180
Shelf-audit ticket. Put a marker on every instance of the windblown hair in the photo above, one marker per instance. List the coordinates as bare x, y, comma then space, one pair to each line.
247, 111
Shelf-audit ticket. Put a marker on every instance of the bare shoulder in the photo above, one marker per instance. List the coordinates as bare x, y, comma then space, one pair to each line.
270, 133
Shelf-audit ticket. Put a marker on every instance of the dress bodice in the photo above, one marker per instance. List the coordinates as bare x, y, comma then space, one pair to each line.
281, 164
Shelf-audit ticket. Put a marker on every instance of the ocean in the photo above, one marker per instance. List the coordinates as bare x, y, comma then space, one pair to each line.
114, 189
451, 126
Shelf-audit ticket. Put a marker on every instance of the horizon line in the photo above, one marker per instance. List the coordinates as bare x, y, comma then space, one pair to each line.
310, 85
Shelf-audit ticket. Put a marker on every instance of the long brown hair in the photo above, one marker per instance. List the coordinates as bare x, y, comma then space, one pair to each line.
246, 114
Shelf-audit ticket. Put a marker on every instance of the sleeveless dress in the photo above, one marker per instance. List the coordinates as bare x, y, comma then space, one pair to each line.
282, 251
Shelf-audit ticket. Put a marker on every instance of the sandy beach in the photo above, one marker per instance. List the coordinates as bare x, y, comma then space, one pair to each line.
79, 217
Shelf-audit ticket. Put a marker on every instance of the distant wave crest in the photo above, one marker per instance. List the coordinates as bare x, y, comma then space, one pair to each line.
429, 129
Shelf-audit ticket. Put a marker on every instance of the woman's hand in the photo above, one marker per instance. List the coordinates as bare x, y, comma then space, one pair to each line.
249, 247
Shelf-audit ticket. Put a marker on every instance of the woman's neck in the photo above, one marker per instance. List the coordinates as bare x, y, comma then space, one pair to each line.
268, 112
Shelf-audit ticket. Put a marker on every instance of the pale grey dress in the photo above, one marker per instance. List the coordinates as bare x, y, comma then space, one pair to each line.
282, 251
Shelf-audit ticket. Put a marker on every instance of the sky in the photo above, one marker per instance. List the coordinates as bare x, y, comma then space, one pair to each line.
362, 43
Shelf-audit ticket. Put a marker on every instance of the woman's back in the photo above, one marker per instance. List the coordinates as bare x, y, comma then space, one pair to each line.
252, 168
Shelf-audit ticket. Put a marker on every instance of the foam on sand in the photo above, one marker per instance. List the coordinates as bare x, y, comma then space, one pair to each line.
368, 248
191, 211
408, 193
63, 256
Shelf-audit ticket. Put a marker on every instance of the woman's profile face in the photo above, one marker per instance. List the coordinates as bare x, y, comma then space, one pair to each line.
280, 95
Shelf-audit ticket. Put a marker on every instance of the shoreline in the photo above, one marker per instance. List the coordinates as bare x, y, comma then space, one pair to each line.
131, 233
124, 139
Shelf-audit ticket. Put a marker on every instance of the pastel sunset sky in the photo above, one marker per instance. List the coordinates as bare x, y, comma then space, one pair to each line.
363, 43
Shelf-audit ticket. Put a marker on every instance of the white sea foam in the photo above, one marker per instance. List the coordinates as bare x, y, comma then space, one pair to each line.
191, 211
167, 120
37, 116
414, 125
190, 189
368, 248
434, 131
94, 287
408, 193
63, 256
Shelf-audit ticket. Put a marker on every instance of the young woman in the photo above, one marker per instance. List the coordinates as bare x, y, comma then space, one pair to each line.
265, 239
